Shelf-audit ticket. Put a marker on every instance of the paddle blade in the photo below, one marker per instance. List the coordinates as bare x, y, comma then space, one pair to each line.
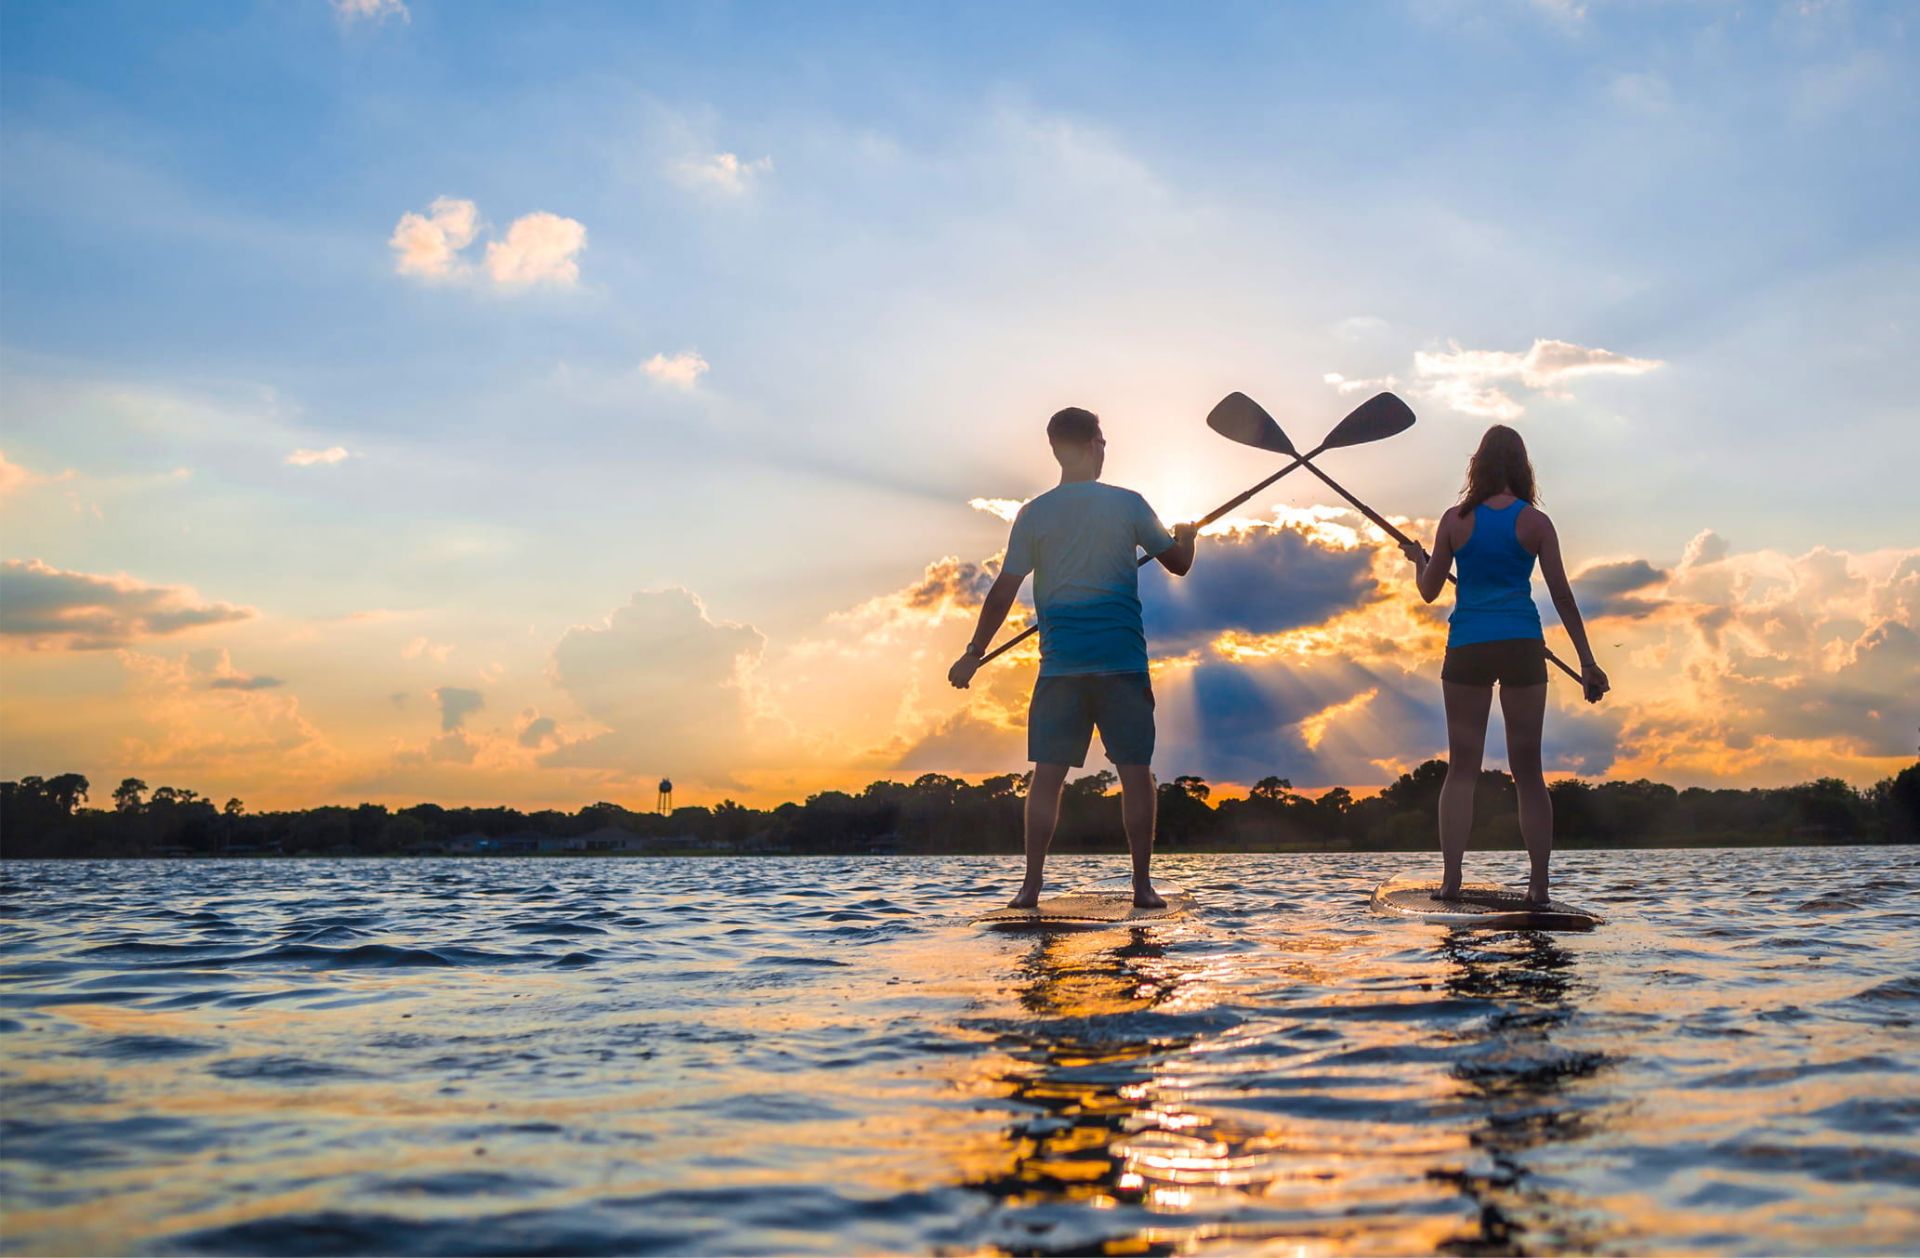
1240, 418
1380, 416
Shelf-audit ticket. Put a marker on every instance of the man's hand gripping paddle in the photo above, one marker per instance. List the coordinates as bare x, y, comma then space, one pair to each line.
1241, 418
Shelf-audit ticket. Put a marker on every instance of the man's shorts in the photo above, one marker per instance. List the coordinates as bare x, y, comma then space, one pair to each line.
1510, 661
1066, 710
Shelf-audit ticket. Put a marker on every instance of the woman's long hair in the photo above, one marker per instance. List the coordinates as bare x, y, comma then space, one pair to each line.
1499, 466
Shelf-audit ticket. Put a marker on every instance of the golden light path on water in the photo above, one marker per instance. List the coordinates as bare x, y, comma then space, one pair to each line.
825, 1055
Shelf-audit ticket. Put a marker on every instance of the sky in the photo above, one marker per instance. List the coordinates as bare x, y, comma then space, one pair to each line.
499, 403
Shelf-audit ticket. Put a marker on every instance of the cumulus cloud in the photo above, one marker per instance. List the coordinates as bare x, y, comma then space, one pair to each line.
668, 686
1608, 589
371, 10
46, 607
429, 244
1465, 379
173, 716
682, 370
312, 458
538, 732
721, 172
539, 248
1260, 579
999, 508
950, 583
1308, 656
967, 742
457, 704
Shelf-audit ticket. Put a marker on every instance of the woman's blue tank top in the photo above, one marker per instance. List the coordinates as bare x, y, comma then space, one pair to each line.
1494, 601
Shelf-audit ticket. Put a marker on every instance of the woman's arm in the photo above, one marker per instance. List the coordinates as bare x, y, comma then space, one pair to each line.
1554, 570
1430, 571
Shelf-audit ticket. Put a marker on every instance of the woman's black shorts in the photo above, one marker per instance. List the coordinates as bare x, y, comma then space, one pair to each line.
1511, 662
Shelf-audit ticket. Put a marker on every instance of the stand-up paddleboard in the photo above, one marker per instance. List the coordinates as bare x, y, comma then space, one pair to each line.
1098, 906
1479, 904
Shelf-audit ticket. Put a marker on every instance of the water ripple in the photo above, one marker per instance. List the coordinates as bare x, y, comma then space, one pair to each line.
824, 1056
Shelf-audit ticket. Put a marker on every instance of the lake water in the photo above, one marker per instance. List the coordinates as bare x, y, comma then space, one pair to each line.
824, 1056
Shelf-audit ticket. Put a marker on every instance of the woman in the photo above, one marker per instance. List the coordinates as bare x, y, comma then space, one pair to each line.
1495, 532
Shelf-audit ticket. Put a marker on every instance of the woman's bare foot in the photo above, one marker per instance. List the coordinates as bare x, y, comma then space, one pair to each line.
1028, 898
1145, 897
1449, 889
1537, 896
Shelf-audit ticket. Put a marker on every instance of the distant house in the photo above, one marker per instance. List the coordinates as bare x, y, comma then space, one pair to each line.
611, 839
523, 843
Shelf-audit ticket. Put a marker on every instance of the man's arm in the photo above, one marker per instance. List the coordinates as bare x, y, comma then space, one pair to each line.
1178, 558
993, 614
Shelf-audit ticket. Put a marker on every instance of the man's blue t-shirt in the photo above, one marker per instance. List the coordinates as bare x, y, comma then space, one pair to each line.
1079, 541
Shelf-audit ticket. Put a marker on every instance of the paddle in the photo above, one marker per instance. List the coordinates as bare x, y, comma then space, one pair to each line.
1249, 424
1375, 419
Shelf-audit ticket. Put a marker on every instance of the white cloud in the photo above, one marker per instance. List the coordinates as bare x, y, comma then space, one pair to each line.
371, 10
1345, 385
721, 172
682, 370
429, 244
1463, 378
308, 458
539, 248
1001, 508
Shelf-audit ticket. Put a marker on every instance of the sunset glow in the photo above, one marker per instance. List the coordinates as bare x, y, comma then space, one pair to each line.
392, 448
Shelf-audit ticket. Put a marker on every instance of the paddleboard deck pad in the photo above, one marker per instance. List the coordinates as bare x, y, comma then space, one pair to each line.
1086, 910
1485, 905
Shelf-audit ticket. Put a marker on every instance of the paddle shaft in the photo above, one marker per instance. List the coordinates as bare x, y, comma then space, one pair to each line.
1381, 522
1209, 518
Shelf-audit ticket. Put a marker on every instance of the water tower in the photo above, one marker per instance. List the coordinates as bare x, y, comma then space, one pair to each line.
665, 803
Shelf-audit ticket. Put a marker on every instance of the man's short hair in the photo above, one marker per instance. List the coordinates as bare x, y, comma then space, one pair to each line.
1073, 424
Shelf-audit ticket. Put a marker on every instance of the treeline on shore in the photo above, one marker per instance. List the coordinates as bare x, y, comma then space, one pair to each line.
50, 817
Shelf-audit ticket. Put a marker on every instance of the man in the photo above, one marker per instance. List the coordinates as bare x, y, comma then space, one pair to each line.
1078, 540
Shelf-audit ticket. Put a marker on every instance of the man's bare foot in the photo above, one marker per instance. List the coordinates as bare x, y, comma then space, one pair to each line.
1028, 898
1449, 889
1537, 893
1145, 897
